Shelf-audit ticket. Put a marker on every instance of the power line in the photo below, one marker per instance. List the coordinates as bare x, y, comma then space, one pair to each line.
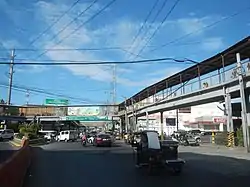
39, 92
144, 23
45, 92
75, 62
203, 28
81, 25
99, 48
159, 26
71, 49
154, 19
54, 23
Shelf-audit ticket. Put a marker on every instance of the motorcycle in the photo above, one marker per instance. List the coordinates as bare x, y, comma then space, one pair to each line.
84, 142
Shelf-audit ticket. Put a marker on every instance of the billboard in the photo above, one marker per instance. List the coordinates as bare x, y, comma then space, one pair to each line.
87, 111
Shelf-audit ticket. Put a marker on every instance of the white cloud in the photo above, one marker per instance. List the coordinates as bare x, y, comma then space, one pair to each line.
120, 32
195, 24
11, 44
212, 44
165, 72
153, 77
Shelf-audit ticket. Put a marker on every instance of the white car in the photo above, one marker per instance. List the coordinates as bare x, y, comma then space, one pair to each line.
6, 134
67, 136
90, 139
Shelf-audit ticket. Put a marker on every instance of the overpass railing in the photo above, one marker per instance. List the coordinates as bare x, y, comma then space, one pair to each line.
205, 81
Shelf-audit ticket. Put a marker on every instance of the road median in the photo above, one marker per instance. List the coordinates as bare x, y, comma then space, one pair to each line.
35, 142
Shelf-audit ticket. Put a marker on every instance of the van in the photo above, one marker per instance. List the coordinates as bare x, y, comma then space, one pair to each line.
67, 136
6, 134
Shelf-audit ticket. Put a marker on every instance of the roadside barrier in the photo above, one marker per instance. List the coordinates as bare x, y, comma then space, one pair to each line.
13, 170
213, 137
230, 138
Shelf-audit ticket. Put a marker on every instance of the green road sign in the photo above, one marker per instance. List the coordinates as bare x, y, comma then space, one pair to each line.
56, 102
87, 118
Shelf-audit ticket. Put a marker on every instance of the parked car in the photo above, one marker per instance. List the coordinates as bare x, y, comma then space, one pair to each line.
102, 140
189, 140
6, 134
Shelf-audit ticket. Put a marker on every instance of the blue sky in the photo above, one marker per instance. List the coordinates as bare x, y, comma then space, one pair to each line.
22, 21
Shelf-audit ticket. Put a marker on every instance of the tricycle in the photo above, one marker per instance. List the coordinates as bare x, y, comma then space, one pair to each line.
156, 154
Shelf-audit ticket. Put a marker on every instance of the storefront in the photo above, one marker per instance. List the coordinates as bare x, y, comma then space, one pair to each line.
208, 123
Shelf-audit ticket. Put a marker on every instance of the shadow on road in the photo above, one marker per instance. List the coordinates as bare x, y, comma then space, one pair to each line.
115, 167
5, 154
6, 151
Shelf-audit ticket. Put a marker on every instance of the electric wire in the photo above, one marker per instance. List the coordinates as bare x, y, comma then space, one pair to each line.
153, 21
81, 25
144, 23
75, 62
45, 92
201, 29
159, 26
54, 23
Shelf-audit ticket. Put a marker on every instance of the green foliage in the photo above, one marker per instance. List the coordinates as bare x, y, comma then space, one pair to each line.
239, 137
29, 131
221, 138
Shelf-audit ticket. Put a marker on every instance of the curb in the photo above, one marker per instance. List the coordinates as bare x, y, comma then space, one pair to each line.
14, 144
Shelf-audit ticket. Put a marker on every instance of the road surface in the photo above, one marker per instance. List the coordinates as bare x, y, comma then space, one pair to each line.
70, 164
6, 150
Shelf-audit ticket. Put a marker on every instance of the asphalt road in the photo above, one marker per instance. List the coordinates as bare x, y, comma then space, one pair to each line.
6, 150
70, 164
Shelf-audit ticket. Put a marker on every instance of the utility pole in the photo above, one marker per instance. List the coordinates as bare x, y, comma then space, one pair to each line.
126, 116
133, 115
114, 84
11, 76
243, 103
177, 119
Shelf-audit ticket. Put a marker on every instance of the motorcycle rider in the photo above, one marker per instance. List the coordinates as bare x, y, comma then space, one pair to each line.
84, 139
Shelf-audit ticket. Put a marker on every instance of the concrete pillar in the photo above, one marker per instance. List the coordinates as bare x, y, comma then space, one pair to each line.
228, 108
162, 127
147, 120
247, 100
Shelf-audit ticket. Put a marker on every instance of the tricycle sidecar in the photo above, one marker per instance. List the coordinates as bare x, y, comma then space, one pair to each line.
153, 153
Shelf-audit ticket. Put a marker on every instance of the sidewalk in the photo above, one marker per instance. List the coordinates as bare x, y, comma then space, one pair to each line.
218, 150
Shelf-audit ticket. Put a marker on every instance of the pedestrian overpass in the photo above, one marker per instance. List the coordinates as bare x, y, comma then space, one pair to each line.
205, 82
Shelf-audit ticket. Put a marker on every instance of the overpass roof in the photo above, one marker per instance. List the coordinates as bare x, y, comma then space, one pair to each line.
206, 66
